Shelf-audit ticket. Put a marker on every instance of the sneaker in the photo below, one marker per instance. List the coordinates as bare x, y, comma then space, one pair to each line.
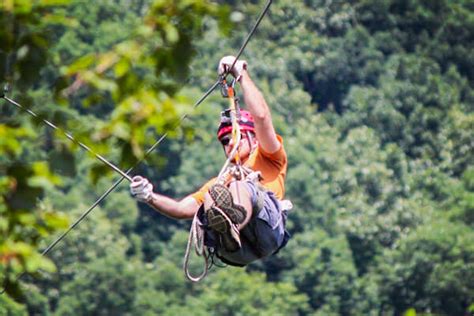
226, 231
222, 198
224, 216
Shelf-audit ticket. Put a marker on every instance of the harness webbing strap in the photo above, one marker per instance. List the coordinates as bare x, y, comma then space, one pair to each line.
197, 232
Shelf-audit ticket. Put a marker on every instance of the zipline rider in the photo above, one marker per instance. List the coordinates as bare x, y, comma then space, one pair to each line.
244, 218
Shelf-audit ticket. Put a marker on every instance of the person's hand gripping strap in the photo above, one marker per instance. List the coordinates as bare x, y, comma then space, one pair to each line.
226, 62
141, 189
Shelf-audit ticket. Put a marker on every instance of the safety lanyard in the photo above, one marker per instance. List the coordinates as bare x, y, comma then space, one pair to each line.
234, 114
229, 92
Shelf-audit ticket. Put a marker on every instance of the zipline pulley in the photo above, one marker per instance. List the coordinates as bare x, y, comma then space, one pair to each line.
225, 90
225, 87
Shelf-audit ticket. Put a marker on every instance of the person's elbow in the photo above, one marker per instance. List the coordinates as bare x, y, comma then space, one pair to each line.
184, 214
187, 208
262, 116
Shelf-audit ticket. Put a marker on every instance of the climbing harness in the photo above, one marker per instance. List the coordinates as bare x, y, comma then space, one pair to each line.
229, 172
125, 175
196, 232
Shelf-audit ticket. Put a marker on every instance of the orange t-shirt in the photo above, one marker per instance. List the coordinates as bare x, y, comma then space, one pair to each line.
272, 166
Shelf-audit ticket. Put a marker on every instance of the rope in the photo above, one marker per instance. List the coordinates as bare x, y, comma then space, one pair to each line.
196, 233
231, 93
196, 238
198, 242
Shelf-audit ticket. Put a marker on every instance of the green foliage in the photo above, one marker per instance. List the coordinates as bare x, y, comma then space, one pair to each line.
324, 272
23, 223
142, 74
104, 286
25, 36
461, 198
411, 107
430, 270
373, 100
10, 307
227, 289
137, 68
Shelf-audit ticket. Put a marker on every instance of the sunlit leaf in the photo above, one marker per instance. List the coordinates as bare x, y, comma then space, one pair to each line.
60, 19
172, 34
54, 2
121, 68
36, 262
80, 64
43, 175
55, 220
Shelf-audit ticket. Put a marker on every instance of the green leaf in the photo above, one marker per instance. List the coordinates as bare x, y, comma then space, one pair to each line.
46, 3
36, 262
43, 176
121, 68
55, 220
80, 64
172, 34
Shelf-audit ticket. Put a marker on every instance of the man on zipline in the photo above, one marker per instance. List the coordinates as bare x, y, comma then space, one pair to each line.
244, 218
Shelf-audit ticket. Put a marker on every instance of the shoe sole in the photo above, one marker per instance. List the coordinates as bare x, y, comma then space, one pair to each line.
223, 200
228, 233
231, 240
217, 221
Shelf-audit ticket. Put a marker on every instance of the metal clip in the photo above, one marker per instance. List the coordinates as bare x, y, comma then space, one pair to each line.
225, 86
224, 91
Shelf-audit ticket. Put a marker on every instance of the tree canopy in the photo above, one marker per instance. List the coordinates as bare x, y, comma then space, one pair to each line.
374, 100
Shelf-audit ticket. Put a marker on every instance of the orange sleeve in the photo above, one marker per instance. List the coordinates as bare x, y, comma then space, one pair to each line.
200, 194
279, 156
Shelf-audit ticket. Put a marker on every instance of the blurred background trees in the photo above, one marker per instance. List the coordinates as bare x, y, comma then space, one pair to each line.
374, 101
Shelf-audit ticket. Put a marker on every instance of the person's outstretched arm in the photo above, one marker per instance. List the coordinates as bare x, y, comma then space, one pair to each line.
257, 106
255, 102
142, 190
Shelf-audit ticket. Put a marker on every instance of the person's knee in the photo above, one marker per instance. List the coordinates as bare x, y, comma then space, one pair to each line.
207, 201
239, 191
237, 186
242, 196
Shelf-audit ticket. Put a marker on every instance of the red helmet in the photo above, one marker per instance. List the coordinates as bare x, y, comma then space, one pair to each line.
246, 123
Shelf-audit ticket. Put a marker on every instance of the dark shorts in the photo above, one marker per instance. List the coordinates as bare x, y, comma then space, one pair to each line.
263, 236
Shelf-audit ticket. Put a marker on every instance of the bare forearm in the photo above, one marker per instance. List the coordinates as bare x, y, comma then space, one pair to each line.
260, 111
183, 209
253, 98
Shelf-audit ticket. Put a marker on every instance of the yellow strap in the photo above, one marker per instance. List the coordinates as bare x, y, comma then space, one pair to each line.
235, 123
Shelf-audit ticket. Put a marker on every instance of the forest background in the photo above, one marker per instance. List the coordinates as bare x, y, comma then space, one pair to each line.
374, 100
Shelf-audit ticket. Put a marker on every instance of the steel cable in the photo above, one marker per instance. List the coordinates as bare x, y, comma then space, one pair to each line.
125, 174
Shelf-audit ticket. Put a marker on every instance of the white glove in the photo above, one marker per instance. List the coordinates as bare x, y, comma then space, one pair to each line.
141, 189
226, 62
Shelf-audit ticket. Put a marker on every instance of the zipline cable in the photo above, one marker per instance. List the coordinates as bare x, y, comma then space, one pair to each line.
116, 184
196, 234
70, 137
152, 148
252, 31
125, 175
